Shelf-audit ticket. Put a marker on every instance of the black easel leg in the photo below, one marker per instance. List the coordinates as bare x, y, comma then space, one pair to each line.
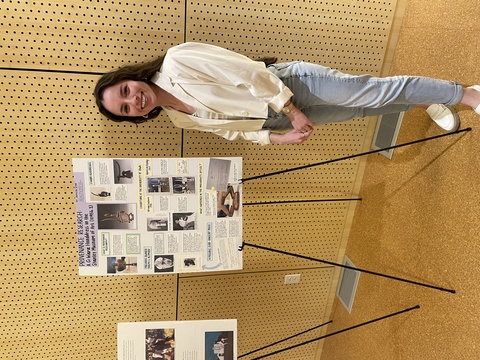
288, 338
353, 156
338, 332
346, 267
299, 201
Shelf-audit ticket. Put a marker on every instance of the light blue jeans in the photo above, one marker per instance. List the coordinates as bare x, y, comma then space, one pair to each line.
326, 95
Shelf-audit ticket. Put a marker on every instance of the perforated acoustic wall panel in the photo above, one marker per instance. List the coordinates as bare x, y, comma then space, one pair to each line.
88, 35
262, 298
46, 120
349, 35
52, 54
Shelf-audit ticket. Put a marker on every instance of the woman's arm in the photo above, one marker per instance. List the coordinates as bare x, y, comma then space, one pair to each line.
265, 137
298, 119
290, 137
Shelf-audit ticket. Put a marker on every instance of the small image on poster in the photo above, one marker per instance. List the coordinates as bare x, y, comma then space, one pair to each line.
158, 185
160, 344
218, 173
123, 170
183, 184
184, 221
116, 216
163, 263
159, 223
121, 265
219, 345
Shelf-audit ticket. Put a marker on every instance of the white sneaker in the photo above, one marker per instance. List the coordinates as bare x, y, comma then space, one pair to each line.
445, 117
476, 87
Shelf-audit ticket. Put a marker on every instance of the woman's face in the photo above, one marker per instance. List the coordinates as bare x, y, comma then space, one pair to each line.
129, 98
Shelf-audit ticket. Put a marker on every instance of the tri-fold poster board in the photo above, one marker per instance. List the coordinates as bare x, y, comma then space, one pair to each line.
186, 340
158, 215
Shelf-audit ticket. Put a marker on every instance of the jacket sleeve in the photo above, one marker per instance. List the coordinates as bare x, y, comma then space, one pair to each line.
261, 137
184, 121
202, 63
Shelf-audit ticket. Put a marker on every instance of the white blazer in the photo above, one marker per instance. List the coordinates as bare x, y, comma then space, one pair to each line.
215, 79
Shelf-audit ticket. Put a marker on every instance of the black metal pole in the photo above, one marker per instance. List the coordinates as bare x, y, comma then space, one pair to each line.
299, 201
353, 156
348, 267
338, 332
280, 341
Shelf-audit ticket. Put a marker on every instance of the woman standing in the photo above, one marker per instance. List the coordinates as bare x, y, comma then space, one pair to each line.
208, 88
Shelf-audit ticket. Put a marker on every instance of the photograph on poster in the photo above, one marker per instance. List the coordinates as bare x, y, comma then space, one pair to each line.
160, 344
121, 265
123, 171
100, 193
116, 216
219, 345
190, 263
156, 185
228, 201
184, 221
157, 224
163, 263
183, 184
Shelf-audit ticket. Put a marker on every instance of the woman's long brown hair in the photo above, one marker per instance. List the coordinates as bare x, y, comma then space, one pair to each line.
136, 72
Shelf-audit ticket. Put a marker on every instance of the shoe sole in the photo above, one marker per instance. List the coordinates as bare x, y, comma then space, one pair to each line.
457, 121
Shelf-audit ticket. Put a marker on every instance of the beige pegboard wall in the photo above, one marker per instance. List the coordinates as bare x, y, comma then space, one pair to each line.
51, 56
270, 309
349, 35
53, 116
47, 120
309, 229
85, 35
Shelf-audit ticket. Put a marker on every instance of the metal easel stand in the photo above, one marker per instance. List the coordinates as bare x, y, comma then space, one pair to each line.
353, 156
298, 201
280, 341
332, 263
345, 267
338, 332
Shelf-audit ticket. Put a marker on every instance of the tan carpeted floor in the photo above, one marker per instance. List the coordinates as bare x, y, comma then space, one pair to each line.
420, 214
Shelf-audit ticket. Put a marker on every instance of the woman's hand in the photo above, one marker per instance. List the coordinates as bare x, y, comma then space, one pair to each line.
299, 121
290, 137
